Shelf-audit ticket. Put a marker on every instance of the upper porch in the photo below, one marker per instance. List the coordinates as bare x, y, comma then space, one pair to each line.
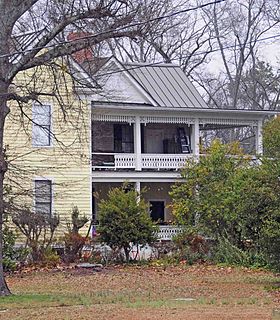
134, 137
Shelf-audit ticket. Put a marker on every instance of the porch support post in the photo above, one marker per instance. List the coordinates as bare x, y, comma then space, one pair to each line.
138, 190
259, 138
196, 139
137, 143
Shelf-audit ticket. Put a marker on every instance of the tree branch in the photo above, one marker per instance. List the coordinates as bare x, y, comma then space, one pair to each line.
96, 13
69, 48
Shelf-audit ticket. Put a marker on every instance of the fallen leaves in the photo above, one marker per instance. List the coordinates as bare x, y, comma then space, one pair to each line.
148, 287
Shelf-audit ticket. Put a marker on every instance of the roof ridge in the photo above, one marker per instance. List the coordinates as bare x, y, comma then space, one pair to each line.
152, 64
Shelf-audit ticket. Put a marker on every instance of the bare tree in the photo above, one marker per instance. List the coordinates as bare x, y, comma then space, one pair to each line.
177, 38
239, 28
50, 21
227, 35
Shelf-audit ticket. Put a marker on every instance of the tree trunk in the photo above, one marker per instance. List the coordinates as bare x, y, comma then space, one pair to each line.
4, 290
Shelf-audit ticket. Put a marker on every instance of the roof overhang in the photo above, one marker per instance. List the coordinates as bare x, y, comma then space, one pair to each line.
200, 112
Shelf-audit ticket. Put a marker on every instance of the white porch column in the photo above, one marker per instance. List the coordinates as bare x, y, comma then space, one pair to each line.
138, 189
137, 144
196, 139
259, 138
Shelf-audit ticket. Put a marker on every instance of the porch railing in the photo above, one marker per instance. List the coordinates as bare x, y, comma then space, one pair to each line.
148, 161
125, 160
168, 232
164, 161
165, 233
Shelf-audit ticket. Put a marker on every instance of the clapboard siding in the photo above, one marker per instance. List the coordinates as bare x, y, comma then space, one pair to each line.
67, 161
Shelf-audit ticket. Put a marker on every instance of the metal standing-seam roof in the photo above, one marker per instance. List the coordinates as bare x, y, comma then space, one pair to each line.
167, 85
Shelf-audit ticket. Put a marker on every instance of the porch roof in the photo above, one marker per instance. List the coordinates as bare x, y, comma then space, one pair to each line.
137, 108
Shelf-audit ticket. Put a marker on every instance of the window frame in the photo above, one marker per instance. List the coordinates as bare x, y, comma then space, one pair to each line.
51, 202
47, 129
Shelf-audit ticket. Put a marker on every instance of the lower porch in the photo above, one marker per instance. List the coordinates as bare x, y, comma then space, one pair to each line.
157, 197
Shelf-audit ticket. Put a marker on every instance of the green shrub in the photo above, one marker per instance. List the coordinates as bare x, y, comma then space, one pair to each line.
227, 253
12, 256
229, 200
124, 221
50, 257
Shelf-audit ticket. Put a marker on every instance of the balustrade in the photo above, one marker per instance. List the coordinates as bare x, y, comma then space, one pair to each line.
148, 161
126, 160
168, 232
164, 161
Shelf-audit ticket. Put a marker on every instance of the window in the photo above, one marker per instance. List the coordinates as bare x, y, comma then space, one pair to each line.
43, 196
41, 131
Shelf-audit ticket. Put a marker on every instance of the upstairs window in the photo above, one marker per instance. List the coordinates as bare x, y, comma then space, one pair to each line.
41, 131
43, 197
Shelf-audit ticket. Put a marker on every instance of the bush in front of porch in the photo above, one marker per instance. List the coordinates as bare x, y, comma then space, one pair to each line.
124, 222
235, 203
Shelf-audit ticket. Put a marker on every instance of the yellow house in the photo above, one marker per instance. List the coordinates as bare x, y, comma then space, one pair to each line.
48, 145
107, 123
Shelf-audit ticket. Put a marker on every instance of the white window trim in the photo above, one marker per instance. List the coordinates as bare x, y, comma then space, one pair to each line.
38, 178
45, 103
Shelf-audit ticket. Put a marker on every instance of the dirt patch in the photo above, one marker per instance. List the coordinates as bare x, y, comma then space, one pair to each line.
143, 292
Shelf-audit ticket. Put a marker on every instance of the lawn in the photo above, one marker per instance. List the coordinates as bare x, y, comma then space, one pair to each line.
146, 292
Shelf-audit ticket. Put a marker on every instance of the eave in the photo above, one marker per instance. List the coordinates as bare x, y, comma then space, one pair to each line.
194, 111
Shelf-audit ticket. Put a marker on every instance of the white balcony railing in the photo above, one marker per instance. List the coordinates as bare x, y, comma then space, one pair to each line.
164, 161
116, 161
152, 161
125, 161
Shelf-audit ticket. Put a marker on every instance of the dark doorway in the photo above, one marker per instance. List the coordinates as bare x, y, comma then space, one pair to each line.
157, 211
123, 138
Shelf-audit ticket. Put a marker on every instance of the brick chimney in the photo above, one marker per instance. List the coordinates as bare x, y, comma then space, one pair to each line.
84, 54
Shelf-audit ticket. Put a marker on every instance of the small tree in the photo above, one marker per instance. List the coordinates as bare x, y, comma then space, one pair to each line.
205, 195
124, 220
38, 230
271, 139
73, 240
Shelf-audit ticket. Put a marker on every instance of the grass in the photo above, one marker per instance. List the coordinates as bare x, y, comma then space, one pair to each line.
27, 301
35, 300
142, 288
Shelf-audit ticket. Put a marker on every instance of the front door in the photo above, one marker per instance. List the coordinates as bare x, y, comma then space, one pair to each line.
154, 140
157, 211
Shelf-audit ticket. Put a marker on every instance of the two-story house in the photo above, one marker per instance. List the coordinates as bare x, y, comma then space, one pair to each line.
124, 122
